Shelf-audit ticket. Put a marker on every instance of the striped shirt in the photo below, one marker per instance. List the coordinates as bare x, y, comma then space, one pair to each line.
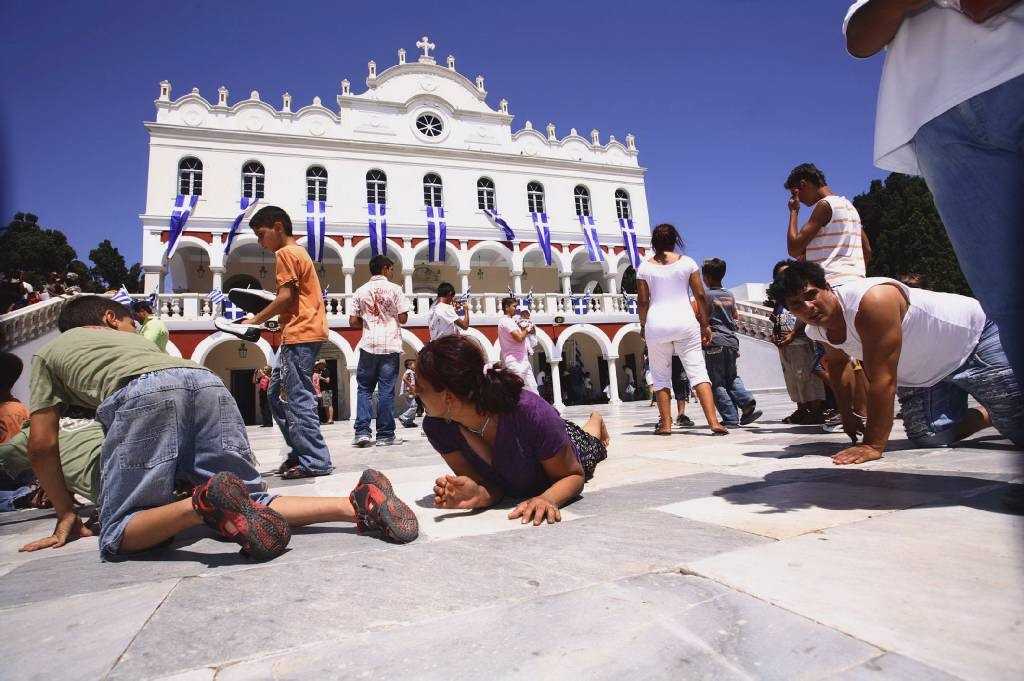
837, 246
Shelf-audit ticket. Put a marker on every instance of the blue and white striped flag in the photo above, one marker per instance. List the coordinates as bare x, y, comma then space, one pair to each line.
437, 234
184, 204
246, 207
216, 296
316, 228
590, 238
577, 355
122, 296
378, 228
629, 303
540, 223
501, 222
581, 304
232, 311
629, 241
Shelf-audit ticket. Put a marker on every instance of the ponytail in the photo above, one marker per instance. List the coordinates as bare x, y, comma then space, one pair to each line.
456, 364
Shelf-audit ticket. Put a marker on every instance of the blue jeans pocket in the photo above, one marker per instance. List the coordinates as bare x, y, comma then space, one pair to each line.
147, 436
233, 437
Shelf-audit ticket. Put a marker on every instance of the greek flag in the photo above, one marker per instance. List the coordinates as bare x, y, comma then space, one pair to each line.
590, 238
378, 227
462, 298
524, 301
216, 296
540, 223
629, 241
437, 234
316, 227
501, 222
232, 311
629, 303
246, 206
581, 304
577, 355
183, 207
122, 296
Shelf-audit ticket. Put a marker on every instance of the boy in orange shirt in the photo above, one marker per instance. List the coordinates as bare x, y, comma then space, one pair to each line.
300, 307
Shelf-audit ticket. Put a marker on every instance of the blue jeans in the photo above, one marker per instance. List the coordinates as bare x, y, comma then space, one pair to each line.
972, 158
165, 426
730, 393
298, 416
931, 415
380, 372
14, 487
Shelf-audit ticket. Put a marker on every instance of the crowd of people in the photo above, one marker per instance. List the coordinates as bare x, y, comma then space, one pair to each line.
17, 292
158, 444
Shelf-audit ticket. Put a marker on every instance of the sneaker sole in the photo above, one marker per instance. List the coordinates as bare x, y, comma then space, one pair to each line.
262, 532
389, 514
374, 477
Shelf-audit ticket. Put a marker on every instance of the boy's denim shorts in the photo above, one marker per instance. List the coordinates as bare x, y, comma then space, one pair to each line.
931, 415
171, 425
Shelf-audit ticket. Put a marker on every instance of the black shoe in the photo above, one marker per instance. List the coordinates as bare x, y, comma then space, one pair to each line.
751, 414
684, 421
252, 300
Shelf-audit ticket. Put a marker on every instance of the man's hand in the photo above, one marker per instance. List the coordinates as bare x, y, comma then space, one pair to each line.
794, 201
705, 336
537, 510
785, 339
69, 528
857, 454
452, 491
247, 320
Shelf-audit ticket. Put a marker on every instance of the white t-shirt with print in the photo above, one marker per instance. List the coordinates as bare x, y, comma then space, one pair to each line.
938, 59
441, 321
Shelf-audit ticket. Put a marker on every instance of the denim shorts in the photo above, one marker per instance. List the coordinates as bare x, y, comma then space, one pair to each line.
931, 415
171, 425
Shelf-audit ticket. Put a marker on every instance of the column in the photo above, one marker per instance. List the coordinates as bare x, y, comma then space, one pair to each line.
407, 274
610, 285
153, 279
218, 277
566, 284
556, 386
353, 391
613, 381
348, 272
517, 282
464, 280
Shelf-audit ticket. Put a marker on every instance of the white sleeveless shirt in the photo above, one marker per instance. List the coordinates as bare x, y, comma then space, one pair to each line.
837, 246
940, 330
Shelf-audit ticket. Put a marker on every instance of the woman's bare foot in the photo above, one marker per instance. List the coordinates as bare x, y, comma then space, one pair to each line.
595, 426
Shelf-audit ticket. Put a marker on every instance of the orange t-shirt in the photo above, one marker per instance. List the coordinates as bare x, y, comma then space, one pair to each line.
306, 320
12, 415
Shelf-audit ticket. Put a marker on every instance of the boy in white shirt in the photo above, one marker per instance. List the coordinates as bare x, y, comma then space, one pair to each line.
446, 317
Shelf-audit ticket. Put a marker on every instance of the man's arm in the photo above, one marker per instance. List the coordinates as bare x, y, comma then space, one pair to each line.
879, 323
797, 238
874, 25
840, 378
285, 296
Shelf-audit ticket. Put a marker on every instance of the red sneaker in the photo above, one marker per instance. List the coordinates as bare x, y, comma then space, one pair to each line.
378, 509
224, 504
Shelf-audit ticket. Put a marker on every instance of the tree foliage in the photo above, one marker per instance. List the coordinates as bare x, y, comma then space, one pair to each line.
111, 271
907, 234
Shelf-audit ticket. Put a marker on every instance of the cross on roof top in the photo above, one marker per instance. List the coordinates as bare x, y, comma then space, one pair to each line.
425, 45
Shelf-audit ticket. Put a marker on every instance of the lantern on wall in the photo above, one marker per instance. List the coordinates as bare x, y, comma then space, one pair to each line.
243, 352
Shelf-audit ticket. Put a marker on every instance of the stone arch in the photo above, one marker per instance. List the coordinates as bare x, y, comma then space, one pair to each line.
242, 239
329, 245
412, 339
336, 339
394, 249
623, 331
173, 350
206, 345
493, 246
460, 261
557, 258
605, 345
189, 241
490, 349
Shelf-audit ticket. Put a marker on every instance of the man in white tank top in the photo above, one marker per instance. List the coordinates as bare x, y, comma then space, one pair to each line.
832, 236
937, 348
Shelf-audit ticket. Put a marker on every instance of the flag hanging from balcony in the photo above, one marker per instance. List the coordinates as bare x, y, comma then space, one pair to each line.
629, 303
590, 238
184, 204
629, 241
216, 296
378, 227
540, 223
316, 229
581, 304
122, 296
501, 222
437, 234
232, 311
246, 207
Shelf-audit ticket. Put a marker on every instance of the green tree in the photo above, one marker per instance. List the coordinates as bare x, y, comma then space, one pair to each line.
110, 271
907, 234
36, 251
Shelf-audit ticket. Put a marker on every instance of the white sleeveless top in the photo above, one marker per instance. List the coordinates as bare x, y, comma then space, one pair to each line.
940, 331
670, 316
837, 246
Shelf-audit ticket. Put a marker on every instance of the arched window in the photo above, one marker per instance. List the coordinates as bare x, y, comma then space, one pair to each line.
253, 176
485, 193
622, 207
190, 176
376, 187
535, 197
316, 183
431, 190
581, 195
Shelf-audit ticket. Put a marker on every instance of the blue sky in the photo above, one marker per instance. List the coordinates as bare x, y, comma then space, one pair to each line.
724, 96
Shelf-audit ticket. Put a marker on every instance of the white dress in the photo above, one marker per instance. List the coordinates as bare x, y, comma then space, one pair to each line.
672, 328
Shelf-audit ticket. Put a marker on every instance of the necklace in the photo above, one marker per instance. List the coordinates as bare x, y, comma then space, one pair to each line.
480, 433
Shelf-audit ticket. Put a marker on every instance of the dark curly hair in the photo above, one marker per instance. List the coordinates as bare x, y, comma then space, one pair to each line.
456, 363
805, 171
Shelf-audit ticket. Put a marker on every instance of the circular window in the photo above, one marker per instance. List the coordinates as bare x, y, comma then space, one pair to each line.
429, 125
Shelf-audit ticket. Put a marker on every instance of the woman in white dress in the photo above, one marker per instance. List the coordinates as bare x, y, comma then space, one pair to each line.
670, 327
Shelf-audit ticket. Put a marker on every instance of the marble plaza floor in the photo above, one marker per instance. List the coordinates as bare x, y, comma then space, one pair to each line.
744, 557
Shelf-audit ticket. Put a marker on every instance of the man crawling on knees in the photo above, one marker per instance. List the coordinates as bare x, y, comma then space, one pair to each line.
930, 349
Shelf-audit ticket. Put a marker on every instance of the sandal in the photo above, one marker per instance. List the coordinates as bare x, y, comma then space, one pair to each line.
723, 431
662, 429
297, 472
